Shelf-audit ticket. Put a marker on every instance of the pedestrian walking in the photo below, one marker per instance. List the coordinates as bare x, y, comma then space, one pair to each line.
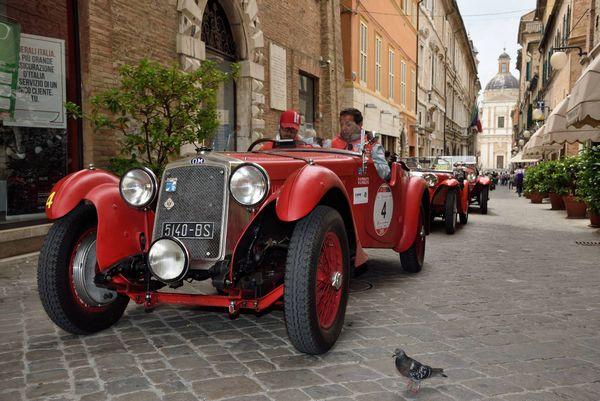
519, 176
511, 181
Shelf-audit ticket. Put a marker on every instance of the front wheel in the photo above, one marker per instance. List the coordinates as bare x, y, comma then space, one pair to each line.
483, 200
66, 269
412, 260
317, 275
450, 212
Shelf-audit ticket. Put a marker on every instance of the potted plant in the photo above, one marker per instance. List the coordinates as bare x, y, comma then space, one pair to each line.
570, 168
533, 183
557, 184
588, 182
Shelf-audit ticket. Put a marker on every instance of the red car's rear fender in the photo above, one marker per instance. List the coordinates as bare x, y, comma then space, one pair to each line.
416, 195
119, 225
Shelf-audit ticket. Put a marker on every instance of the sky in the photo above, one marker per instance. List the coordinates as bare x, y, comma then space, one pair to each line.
494, 31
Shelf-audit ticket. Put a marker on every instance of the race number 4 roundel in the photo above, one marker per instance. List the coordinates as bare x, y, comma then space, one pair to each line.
383, 209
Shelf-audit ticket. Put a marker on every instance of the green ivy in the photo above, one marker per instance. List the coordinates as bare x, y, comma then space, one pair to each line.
157, 110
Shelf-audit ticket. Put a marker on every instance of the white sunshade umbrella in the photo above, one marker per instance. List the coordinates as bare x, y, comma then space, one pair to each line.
557, 130
584, 101
535, 147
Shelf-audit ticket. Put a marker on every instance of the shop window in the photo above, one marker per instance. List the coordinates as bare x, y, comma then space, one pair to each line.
38, 144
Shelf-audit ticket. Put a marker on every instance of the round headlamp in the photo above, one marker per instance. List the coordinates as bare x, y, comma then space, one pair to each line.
168, 259
430, 179
471, 176
138, 187
249, 184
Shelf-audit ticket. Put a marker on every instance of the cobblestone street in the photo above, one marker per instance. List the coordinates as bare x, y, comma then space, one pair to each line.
509, 306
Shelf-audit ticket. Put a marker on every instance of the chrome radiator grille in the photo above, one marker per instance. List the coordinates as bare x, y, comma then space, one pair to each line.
199, 196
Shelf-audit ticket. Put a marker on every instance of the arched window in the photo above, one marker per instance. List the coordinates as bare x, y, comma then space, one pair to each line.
216, 32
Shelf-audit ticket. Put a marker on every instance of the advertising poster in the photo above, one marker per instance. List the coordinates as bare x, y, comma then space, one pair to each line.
41, 86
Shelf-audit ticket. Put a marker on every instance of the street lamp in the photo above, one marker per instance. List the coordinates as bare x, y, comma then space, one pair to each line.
538, 115
559, 57
526, 134
521, 142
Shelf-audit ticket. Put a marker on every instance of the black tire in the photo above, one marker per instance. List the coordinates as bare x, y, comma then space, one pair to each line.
54, 278
483, 200
450, 212
464, 217
300, 295
412, 260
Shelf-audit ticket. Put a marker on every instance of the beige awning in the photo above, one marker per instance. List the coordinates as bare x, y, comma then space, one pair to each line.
584, 102
518, 158
558, 132
535, 147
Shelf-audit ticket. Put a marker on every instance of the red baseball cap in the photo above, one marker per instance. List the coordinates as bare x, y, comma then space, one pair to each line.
290, 119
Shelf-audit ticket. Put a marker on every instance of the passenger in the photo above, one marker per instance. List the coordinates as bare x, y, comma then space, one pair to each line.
289, 125
349, 139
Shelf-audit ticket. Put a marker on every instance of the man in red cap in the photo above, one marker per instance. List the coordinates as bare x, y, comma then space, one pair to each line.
289, 125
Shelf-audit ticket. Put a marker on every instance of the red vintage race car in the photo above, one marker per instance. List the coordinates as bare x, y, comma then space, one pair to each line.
448, 189
283, 227
479, 185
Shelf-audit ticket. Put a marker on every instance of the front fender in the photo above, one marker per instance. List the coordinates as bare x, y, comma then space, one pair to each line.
119, 225
464, 197
415, 191
303, 190
73, 188
439, 197
483, 180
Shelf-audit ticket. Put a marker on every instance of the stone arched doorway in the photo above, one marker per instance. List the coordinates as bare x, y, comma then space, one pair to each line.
228, 31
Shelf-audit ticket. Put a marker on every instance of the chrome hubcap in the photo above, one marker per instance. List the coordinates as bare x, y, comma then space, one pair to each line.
84, 270
336, 280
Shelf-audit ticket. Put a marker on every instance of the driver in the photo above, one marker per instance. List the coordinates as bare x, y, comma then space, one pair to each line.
349, 139
289, 125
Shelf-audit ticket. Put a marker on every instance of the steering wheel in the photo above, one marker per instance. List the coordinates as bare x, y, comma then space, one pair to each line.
258, 142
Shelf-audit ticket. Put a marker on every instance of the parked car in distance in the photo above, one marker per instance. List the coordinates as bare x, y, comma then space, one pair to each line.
448, 189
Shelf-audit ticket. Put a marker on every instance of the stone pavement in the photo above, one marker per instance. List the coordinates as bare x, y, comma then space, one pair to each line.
509, 305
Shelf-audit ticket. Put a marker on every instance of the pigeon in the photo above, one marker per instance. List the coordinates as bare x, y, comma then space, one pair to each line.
414, 370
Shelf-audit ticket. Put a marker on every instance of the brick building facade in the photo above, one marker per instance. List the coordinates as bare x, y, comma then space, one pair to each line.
101, 35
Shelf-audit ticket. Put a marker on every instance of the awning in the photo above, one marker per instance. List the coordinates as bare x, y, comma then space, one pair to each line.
584, 102
535, 147
518, 158
558, 132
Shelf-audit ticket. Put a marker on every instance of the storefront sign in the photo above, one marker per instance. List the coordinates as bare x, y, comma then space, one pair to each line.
41, 91
277, 74
10, 33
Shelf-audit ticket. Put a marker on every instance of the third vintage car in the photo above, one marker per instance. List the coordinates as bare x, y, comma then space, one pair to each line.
448, 189
277, 228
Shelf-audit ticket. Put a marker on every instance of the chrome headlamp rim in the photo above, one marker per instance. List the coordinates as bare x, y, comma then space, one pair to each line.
153, 180
186, 256
265, 175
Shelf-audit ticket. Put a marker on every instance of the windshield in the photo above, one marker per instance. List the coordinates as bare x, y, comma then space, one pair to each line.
438, 163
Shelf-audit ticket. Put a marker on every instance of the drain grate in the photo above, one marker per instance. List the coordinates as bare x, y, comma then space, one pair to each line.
588, 243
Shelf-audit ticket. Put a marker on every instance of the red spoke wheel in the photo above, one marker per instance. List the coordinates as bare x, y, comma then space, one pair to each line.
316, 281
66, 270
412, 260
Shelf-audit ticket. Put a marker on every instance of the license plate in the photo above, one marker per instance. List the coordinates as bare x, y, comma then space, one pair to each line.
192, 230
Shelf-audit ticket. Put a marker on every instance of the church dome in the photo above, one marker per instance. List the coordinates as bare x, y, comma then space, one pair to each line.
504, 79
